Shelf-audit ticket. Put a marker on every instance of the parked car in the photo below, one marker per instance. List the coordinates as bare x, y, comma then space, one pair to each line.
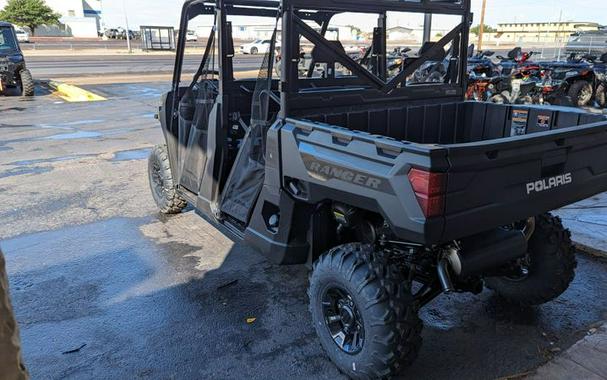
191, 36
22, 35
111, 33
122, 34
256, 47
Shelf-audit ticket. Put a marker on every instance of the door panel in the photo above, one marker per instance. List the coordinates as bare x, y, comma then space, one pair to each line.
193, 135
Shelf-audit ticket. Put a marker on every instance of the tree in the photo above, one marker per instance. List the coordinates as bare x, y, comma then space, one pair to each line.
30, 13
356, 31
488, 29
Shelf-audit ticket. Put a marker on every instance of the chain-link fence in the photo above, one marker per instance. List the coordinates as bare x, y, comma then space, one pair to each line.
558, 49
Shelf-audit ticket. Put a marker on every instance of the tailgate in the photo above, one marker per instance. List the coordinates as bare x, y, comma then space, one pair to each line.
497, 182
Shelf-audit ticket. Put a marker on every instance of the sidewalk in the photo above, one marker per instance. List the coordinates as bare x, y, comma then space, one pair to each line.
587, 359
587, 221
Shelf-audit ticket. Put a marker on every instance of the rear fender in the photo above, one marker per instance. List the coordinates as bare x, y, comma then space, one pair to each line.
326, 163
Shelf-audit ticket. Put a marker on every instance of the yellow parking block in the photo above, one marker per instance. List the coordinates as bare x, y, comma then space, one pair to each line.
72, 93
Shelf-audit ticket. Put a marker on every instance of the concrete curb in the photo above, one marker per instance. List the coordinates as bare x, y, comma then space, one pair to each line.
590, 250
72, 93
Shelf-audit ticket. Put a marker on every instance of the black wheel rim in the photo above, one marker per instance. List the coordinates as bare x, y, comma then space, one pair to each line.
343, 320
521, 270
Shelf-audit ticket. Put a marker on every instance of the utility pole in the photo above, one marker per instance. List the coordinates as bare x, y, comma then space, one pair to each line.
481, 30
558, 38
128, 34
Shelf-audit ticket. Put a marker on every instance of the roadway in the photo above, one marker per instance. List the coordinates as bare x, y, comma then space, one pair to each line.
48, 67
53, 66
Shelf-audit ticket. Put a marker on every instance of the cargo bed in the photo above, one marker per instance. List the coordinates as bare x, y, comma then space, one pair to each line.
500, 163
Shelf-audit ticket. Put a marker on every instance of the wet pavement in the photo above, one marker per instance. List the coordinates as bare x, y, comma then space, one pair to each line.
104, 287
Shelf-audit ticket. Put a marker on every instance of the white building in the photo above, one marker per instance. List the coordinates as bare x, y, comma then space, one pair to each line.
257, 32
79, 18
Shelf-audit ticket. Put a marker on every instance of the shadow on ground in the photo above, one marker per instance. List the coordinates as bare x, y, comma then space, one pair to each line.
165, 298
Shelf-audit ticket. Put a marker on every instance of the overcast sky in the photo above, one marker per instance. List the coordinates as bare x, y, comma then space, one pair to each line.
166, 12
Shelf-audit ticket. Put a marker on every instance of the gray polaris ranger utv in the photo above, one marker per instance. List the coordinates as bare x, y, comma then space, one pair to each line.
394, 189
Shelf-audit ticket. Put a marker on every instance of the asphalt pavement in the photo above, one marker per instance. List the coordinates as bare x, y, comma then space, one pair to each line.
104, 287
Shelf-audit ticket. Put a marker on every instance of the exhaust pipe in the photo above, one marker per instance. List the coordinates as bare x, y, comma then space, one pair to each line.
484, 252
444, 277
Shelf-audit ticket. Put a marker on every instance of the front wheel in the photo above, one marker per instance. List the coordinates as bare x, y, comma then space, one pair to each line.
254, 51
162, 184
581, 93
499, 99
547, 270
364, 312
27, 83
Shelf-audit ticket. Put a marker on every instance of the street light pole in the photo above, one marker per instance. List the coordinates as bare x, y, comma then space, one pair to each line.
481, 29
128, 33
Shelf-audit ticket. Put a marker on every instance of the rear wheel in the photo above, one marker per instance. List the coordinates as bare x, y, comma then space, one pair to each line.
601, 95
547, 270
162, 184
364, 312
581, 93
27, 83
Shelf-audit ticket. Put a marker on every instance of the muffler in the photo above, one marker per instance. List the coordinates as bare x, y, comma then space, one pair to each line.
487, 251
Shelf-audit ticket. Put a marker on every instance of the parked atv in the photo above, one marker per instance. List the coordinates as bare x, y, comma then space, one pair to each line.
13, 73
397, 59
575, 78
516, 59
521, 87
484, 76
481, 65
600, 75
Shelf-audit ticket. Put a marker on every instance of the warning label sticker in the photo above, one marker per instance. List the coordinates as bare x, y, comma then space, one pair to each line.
520, 117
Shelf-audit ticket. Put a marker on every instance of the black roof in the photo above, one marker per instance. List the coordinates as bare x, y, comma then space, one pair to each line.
2, 23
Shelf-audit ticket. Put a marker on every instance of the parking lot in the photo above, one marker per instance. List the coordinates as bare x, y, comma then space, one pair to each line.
105, 287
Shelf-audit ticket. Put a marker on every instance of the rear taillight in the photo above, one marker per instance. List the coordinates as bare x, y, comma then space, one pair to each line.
430, 190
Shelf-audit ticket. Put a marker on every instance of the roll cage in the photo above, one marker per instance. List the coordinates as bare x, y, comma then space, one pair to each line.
365, 86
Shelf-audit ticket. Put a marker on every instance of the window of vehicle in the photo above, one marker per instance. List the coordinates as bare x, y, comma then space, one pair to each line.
359, 36
7, 40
